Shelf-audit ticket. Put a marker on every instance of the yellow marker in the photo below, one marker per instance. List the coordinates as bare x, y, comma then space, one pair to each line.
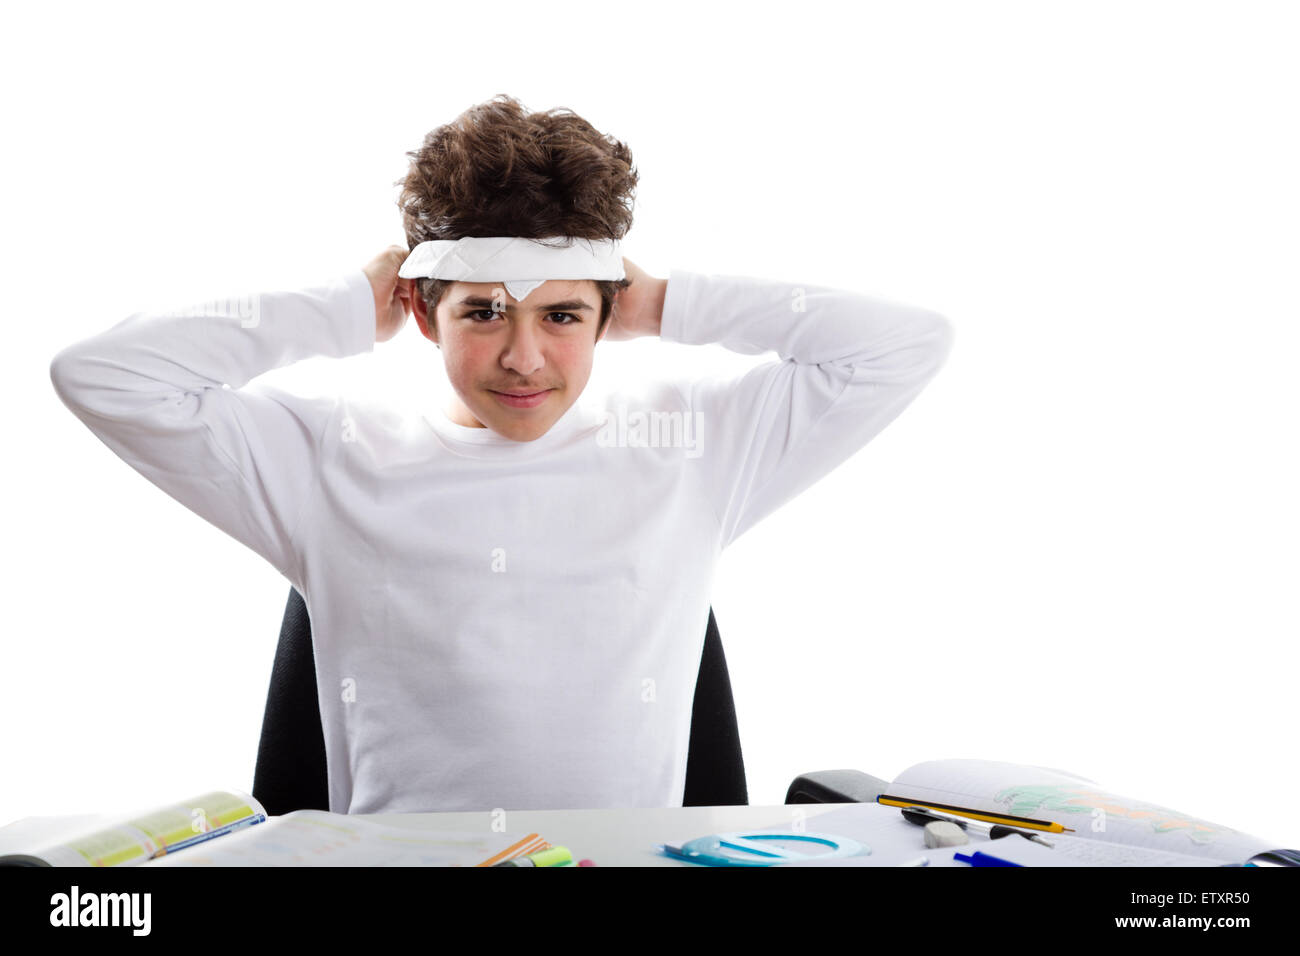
1024, 822
555, 856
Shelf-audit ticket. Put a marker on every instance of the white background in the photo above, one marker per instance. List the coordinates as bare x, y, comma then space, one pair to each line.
1077, 548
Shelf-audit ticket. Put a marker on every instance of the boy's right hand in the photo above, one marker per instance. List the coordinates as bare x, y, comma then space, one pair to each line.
392, 294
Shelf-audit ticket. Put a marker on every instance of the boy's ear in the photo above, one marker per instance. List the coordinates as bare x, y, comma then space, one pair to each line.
428, 325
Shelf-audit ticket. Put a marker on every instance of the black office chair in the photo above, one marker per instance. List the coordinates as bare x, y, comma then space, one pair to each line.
290, 771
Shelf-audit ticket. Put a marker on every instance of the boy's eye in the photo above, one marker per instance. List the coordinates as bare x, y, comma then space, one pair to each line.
492, 315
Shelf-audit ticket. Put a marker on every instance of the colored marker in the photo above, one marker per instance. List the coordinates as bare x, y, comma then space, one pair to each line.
555, 856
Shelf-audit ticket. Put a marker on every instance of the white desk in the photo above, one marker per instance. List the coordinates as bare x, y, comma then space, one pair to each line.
608, 837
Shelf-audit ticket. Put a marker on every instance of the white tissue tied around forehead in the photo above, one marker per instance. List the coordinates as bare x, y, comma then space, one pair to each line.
521, 288
492, 259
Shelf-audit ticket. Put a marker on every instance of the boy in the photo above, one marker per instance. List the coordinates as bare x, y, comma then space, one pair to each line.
507, 604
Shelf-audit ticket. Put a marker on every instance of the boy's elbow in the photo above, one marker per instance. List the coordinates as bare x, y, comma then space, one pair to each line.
61, 374
71, 377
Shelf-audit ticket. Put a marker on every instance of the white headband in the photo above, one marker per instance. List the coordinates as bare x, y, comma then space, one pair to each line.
521, 265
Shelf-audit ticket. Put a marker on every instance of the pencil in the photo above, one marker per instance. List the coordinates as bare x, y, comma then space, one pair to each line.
1045, 825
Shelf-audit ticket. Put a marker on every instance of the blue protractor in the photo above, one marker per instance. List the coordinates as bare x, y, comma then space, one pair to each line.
763, 848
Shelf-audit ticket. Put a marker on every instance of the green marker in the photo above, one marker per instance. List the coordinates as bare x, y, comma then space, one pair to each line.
555, 856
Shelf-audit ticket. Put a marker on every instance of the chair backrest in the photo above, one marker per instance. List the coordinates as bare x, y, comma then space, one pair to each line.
290, 771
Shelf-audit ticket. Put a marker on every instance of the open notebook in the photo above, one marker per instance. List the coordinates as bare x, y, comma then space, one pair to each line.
230, 828
1101, 828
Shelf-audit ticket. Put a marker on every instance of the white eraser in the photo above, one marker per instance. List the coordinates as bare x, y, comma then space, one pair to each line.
944, 833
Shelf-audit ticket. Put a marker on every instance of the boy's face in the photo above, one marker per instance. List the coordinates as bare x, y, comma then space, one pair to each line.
493, 343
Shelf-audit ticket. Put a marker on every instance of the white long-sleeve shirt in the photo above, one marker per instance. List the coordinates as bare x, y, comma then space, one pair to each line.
500, 623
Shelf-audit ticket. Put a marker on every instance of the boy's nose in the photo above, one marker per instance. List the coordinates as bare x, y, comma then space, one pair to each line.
523, 353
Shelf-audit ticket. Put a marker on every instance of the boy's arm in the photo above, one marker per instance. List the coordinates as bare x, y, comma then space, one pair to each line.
245, 457
849, 364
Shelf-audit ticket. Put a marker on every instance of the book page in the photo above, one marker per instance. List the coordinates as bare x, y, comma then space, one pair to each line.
157, 832
320, 838
1088, 810
893, 841
1064, 851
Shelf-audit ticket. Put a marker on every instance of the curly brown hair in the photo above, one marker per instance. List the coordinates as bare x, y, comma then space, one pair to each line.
498, 170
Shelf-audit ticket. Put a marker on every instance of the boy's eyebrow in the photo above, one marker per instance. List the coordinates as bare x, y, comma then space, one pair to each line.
569, 305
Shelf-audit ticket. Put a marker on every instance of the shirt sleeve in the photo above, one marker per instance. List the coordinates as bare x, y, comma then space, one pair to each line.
242, 457
848, 365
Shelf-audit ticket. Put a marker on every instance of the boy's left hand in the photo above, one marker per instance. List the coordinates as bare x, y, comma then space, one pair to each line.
638, 310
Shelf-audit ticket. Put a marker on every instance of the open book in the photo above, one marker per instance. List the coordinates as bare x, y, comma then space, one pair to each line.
1100, 828
230, 828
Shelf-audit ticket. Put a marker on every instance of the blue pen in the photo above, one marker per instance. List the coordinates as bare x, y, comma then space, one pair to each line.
979, 858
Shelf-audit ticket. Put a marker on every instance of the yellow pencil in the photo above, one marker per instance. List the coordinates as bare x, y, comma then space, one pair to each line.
1025, 822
